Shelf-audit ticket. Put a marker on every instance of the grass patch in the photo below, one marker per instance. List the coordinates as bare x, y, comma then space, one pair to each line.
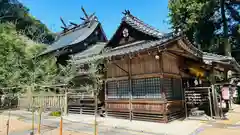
55, 113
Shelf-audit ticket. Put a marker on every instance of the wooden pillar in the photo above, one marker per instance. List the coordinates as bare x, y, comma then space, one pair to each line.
105, 90
66, 103
210, 102
214, 93
81, 99
130, 88
105, 97
165, 105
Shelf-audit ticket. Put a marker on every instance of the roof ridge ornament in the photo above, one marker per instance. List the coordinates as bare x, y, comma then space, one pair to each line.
126, 12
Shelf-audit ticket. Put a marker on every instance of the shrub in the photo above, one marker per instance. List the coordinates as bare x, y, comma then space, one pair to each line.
55, 113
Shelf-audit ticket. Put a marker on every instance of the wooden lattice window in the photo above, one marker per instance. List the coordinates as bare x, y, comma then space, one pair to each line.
123, 89
167, 87
138, 88
118, 89
153, 87
172, 88
146, 88
112, 89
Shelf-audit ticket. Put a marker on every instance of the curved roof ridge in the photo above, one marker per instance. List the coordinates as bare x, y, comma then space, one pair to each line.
142, 26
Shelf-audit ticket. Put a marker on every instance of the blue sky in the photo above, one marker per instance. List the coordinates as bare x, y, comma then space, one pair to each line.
109, 12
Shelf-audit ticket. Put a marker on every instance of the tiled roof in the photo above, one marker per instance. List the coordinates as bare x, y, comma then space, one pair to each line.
144, 45
140, 46
141, 26
226, 60
133, 47
73, 36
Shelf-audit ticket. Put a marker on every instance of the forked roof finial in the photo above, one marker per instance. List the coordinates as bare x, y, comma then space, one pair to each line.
126, 12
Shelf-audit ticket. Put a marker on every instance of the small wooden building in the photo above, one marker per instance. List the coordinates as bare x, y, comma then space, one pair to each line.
146, 71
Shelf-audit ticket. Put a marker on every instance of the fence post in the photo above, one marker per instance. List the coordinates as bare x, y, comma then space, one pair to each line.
66, 104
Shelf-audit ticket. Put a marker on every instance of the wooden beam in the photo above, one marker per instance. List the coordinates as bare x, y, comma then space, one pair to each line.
120, 67
147, 75
139, 76
117, 78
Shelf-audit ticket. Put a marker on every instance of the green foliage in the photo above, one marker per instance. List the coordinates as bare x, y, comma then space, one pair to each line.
14, 12
55, 113
202, 22
94, 70
18, 67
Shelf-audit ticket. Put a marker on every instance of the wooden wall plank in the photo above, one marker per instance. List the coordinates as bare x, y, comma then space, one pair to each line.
170, 63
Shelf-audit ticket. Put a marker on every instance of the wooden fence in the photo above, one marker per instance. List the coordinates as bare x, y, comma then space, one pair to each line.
48, 102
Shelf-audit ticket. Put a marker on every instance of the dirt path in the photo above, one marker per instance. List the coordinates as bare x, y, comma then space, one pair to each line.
15, 125
56, 132
19, 127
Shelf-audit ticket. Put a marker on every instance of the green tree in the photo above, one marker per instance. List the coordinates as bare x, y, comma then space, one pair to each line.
94, 70
207, 23
13, 11
18, 65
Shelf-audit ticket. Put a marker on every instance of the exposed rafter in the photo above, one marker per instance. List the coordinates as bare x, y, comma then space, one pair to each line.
64, 24
85, 14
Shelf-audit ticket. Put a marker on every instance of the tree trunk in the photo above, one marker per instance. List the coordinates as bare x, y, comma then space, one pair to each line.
8, 121
33, 120
227, 46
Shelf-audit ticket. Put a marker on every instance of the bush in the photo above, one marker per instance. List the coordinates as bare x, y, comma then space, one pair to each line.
56, 114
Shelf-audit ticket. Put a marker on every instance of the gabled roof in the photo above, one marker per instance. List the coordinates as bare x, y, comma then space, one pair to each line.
145, 31
74, 36
143, 46
141, 26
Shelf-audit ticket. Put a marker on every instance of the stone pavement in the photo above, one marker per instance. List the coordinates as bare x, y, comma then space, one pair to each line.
110, 126
181, 127
230, 126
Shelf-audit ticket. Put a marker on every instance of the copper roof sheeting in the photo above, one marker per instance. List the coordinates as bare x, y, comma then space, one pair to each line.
73, 36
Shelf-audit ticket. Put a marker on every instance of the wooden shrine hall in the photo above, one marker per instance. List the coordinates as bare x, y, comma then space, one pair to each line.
146, 70
78, 40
